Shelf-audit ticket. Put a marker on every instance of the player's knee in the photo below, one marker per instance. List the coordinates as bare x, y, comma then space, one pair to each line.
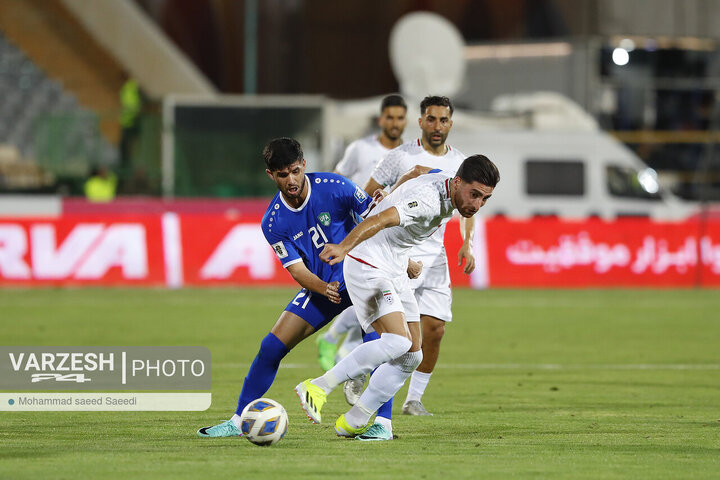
434, 331
409, 361
272, 349
395, 345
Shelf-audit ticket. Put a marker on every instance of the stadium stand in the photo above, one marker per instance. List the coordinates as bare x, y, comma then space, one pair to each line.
46, 133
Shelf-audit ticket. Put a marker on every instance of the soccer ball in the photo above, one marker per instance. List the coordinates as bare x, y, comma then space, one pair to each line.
264, 422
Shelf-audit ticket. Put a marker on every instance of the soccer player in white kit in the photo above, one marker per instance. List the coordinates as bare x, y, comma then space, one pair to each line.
357, 164
432, 288
378, 250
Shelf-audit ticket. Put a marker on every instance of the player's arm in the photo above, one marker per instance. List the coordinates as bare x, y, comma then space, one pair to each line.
335, 253
312, 282
414, 172
467, 232
372, 186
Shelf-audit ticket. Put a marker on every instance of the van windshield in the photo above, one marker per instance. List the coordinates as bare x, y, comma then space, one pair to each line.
627, 182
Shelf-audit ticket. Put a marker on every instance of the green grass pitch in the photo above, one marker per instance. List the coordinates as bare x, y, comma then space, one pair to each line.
550, 384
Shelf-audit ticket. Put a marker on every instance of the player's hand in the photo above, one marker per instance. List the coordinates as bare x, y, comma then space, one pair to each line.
465, 252
332, 254
378, 197
331, 291
414, 268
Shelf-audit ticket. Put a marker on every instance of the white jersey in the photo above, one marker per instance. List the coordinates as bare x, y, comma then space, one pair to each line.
424, 206
403, 158
360, 159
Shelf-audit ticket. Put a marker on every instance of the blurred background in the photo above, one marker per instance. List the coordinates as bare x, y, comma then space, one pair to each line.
595, 111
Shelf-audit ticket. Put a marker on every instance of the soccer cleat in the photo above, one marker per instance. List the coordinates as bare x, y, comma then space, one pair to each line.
224, 429
376, 433
312, 399
415, 407
326, 353
343, 428
353, 388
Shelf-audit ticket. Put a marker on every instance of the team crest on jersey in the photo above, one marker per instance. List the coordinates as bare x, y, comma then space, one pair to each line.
280, 251
360, 194
413, 204
324, 218
388, 296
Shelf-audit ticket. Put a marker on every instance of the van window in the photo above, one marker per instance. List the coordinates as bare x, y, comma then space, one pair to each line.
626, 182
553, 177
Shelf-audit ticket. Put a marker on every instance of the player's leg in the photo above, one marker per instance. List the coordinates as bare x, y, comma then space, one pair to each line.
288, 331
384, 383
301, 318
328, 342
382, 428
433, 330
378, 307
435, 304
394, 341
353, 338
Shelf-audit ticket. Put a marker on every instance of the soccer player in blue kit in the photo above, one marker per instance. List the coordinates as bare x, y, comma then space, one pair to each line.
309, 211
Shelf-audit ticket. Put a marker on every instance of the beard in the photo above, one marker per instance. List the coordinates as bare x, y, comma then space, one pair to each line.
301, 188
392, 133
429, 138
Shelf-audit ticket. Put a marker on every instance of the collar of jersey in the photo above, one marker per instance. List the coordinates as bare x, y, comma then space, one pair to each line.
447, 148
307, 198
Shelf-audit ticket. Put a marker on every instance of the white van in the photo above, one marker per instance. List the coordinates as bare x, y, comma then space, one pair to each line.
568, 174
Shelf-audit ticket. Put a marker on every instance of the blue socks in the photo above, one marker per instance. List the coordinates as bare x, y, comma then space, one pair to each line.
262, 371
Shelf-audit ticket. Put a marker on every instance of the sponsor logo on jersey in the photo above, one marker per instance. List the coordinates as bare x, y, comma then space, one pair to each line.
388, 296
297, 235
413, 204
324, 218
360, 194
280, 251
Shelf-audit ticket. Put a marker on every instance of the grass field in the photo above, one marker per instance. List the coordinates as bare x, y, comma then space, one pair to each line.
553, 384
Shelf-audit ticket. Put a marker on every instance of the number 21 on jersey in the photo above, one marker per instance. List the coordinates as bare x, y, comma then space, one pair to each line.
316, 233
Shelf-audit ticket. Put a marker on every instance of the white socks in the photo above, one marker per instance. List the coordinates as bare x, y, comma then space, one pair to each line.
351, 341
418, 384
236, 420
384, 383
364, 359
342, 323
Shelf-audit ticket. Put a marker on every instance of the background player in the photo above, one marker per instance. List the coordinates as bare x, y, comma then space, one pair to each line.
357, 164
309, 211
432, 288
377, 251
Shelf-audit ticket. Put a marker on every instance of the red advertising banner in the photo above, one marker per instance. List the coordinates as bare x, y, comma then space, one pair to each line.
82, 250
221, 249
218, 250
597, 253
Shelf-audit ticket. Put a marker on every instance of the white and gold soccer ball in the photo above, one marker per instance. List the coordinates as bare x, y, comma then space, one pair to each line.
264, 422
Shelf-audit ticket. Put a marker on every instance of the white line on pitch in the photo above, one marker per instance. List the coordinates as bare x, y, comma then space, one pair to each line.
529, 366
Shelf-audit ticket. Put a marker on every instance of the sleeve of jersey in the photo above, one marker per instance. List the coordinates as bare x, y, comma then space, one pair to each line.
348, 164
356, 200
418, 206
284, 249
388, 170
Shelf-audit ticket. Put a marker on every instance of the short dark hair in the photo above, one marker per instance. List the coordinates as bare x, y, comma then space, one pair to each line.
281, 152
436, 100
479, 168
393, 101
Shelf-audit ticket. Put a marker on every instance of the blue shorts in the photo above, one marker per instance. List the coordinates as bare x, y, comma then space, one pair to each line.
316, 309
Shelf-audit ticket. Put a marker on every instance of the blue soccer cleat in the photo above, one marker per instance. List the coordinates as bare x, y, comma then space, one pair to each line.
224, 429
376, 433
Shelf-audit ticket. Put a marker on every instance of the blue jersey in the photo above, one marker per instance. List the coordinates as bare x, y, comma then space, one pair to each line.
331, 209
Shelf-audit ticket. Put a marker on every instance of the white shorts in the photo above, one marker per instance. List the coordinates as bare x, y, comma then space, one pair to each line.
432, 291
374, 294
